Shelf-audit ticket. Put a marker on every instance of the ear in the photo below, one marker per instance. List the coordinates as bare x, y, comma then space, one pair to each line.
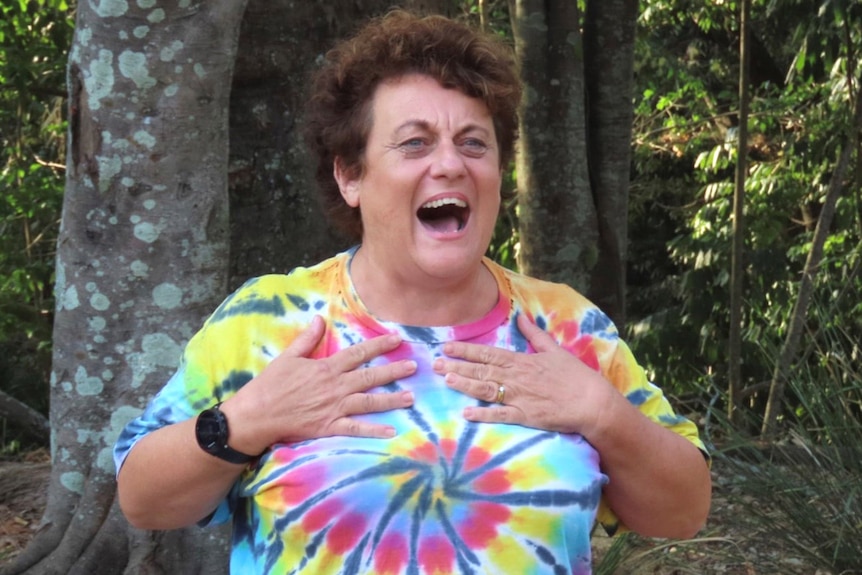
348, 183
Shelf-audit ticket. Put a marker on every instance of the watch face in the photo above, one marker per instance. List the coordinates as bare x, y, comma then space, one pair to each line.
210, 431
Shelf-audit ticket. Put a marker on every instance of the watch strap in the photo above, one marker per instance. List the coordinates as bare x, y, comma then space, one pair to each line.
218, 447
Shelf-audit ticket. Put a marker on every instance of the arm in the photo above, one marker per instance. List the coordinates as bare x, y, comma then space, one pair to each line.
151, 483
659, 481
167, 481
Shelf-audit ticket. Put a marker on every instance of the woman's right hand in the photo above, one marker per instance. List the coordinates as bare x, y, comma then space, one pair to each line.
296, 398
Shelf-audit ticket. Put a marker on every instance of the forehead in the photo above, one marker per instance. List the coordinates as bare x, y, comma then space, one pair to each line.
422, 100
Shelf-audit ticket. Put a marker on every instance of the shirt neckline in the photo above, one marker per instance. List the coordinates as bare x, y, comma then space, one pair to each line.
498, 315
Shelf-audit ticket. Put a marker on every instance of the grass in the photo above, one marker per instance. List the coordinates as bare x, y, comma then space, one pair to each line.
790, 505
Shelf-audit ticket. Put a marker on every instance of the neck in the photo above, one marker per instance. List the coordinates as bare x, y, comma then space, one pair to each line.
422, 301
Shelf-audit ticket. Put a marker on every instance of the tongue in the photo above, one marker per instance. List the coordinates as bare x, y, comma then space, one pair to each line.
444, 225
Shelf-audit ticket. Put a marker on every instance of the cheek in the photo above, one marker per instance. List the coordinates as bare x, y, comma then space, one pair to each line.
489, 178
490, 190
491, 201
387, 211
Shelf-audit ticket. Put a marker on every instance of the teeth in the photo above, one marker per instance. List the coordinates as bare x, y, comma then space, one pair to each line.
445, 202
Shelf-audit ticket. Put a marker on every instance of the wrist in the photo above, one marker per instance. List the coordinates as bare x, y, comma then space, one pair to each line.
212, 432
609, 406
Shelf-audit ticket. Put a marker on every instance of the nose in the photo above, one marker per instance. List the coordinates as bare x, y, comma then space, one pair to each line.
446, 161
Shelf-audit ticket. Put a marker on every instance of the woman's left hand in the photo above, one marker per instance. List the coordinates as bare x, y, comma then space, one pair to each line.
659, 484
550, 389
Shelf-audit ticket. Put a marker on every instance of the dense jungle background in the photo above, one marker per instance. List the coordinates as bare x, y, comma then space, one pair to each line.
743, 294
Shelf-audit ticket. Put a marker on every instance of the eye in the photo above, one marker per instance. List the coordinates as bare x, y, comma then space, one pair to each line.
413, 145
474, 146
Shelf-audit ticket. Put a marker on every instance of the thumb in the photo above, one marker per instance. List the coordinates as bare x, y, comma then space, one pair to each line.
538, 338
307, 339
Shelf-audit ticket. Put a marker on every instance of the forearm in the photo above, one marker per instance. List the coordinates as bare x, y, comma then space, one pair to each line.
168, 481
659, 481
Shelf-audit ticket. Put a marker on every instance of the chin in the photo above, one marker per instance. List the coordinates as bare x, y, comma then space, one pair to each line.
444, 262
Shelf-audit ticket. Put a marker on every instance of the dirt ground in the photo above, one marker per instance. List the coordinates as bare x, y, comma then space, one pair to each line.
23, 489
729, 544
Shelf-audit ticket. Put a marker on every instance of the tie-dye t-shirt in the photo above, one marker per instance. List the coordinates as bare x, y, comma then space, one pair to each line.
445, 495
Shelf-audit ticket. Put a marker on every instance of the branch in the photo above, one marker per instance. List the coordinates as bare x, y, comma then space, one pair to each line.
789, 349
31, 422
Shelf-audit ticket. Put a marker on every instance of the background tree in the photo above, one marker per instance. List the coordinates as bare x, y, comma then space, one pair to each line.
804, 79
142, 257
734, 371
573, 159
276, 223
143, 249
551, 159
683, 186
609, 46
790, 347
34, 37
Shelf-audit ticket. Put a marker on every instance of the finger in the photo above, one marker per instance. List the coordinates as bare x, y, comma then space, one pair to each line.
356, 428
358, 354
364, 379
478, 353
494, 414
307, 339
485, 390
460, 370
538, 338
361, 403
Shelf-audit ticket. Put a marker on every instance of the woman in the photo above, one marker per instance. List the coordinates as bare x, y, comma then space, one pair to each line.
408, 406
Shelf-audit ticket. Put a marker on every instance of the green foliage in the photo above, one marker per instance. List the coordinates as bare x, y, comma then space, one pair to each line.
806, 488
682, 197
505, 241
493, 15
34, 38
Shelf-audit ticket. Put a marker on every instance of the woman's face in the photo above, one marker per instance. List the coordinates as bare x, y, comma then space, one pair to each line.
429, 192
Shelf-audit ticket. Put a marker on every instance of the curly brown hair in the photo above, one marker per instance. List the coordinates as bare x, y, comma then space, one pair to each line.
338, 115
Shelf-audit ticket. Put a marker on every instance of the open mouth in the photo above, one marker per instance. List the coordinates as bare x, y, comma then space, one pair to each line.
446, 215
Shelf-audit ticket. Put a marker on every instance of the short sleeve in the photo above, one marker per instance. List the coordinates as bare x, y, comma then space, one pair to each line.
630, 379
214, 365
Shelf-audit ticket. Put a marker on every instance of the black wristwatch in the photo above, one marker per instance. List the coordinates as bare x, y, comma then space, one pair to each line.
212, 434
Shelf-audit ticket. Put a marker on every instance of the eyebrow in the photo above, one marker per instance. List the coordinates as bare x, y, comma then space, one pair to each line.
424, 125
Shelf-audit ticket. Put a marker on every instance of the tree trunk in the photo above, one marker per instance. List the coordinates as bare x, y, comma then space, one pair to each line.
787, 355
609, 40
143, 251
558, 222
573, 161
738, 252
276, 221
141, 259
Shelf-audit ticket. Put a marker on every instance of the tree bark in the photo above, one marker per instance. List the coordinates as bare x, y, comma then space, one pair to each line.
141, 259
609, 40
573, 161
143, 250
787, 355
558, 221
738, 252
276, 221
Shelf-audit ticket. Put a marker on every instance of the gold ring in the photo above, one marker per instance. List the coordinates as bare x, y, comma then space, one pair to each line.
501, 394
